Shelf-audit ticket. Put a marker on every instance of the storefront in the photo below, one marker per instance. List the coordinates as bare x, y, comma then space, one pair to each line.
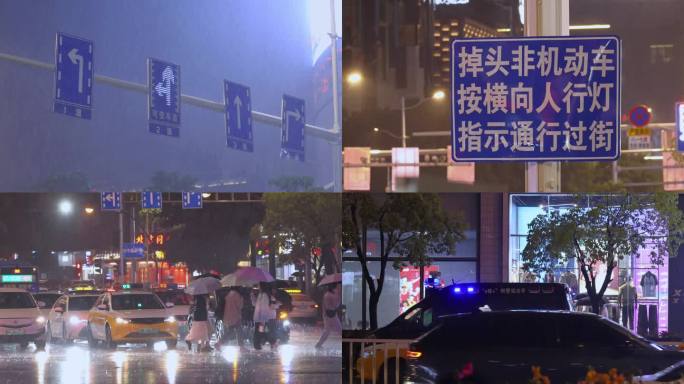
634, 273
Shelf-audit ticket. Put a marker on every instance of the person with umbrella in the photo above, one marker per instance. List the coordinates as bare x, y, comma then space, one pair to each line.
265, 306
232, 314
199, 329
331, 305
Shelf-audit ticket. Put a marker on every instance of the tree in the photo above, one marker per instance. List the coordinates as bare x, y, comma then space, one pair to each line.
301, 223
604, 231
411, 226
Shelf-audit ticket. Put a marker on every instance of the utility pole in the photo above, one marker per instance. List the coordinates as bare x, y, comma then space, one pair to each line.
122, 264
337, 149
545, 18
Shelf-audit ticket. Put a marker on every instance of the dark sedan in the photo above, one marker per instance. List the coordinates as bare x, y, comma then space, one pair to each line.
501, 347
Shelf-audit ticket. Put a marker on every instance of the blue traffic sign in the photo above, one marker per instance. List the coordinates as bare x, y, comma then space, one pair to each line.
293, 123
679, 119
238, 105
164, 97
192, 200
536, 99
151, 200
110, 201
133, 251
73, 76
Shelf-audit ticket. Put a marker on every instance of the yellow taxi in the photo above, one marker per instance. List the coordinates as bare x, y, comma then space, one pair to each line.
131, 317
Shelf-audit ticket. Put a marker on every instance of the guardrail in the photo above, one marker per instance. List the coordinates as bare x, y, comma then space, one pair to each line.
369, 360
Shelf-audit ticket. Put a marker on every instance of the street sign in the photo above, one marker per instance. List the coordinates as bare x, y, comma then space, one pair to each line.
133, 251
536, 99
679, 117
151, 200
192, 200
640, 115
73, 76
163, 97
238, 105
293, 122
111, 201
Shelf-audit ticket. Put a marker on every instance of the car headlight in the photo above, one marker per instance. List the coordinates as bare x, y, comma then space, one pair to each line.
286, 323
170, 319
120, 320
283, 315
40, 319
74, 320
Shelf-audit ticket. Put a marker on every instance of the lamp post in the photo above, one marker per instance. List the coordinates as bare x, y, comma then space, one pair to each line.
437, 95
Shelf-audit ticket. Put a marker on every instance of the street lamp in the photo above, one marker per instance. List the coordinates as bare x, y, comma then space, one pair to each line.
388, 133
354, 78
89, 210
65, 207
437, 95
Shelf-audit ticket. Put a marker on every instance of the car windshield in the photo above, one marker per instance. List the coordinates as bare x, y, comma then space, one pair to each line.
175, 298
136, 301
47, 298
81, 303
15, 300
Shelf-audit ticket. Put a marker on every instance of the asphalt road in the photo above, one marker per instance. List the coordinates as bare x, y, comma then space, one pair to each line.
296, 362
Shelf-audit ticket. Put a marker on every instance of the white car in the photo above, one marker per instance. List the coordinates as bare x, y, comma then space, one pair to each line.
68, 318
47, 298
304, 308
181, 307
20, 318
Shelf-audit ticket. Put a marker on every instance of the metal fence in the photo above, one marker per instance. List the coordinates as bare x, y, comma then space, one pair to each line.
372, 360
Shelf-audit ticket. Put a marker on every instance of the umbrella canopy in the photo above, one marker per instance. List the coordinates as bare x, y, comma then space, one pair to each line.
331, 279
203, 286
246, 277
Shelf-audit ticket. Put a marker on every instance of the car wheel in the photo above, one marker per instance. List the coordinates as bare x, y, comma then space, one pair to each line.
392, 371
92, 342
40, 344
171, 344
65, 337
109, 343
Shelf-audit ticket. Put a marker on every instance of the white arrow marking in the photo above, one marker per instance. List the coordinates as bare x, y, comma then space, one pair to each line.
164, 88
109, 197
238, 105
289, 114
75, 57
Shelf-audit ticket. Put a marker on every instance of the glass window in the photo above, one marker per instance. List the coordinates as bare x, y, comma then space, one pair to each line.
47, 298
587, 332
136, 301
81, 303
16, 300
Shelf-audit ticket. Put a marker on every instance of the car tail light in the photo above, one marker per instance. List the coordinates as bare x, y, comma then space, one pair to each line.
413, 353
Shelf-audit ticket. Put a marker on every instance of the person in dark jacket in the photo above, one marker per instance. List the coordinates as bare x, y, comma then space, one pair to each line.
199, 330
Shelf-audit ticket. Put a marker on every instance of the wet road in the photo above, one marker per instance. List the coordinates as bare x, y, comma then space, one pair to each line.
296, 362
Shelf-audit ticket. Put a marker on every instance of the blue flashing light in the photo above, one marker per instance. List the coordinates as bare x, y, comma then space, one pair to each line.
457, 289
471, 289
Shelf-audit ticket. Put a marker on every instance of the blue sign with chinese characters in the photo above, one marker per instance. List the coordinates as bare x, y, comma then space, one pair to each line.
536, 99
110, 201
238, 104
164, 97
192, 200
73, 76
151, 200
133, 250
294, 121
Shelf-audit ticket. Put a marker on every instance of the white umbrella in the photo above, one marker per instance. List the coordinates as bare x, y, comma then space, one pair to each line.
246, 277
331, 279
203, 286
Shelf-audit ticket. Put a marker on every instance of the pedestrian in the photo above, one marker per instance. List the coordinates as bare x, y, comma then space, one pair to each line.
232, 315
265, 306
331, 321
199, 329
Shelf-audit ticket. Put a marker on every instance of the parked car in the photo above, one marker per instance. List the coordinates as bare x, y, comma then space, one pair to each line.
454, 299
20, 319
68, 318
503, 346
